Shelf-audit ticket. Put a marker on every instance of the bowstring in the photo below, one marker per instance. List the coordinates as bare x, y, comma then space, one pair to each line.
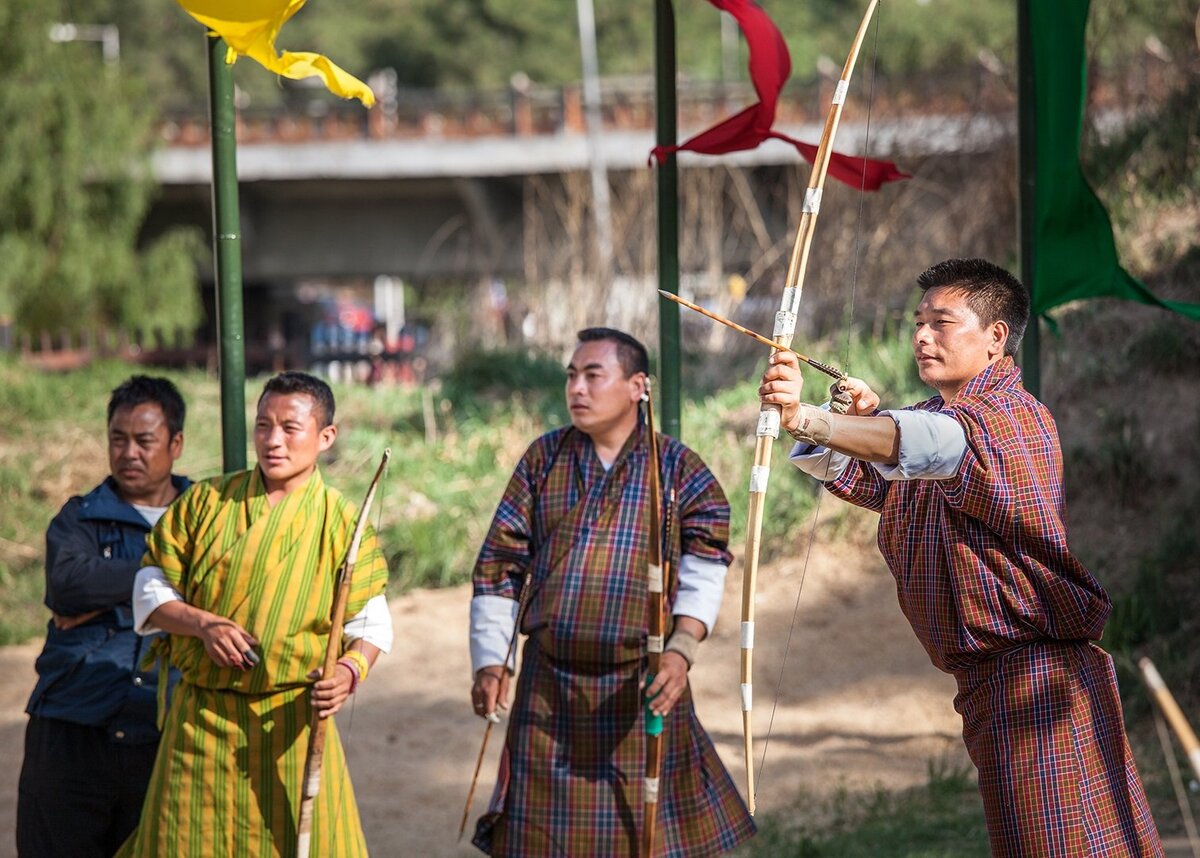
816, 517
382, 490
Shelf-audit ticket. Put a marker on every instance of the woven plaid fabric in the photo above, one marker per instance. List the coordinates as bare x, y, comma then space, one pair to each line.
228, 775
986, 579
571, 773
571, 779
1043, 725
594, 599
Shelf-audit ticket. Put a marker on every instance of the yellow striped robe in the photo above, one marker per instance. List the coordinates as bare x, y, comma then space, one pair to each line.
227, 779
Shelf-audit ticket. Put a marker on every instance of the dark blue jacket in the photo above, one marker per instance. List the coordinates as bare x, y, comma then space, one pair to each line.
90, 674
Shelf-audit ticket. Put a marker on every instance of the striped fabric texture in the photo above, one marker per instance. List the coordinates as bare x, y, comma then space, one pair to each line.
571, 773
228, 776
985, 577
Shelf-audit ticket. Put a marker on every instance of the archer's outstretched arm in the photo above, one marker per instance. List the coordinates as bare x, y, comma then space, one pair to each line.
858, 434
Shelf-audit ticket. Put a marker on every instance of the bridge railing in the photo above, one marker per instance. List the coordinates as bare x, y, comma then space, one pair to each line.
525, 109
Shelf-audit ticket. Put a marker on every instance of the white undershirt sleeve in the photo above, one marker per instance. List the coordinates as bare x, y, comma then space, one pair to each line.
150, 590
932, 446
701, 587
493, 624
373, 624
819, 462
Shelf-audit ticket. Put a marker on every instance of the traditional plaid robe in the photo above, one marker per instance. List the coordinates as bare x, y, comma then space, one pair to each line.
984, 575
227, 780
571, 775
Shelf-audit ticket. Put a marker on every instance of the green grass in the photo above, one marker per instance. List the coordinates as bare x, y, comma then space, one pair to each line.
941, 819
454, 446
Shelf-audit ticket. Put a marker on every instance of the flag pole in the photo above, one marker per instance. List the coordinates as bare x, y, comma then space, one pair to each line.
1031, 369
667, 177
227, 257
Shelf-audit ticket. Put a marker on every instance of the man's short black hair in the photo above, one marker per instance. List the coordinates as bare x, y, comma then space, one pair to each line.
140, 389
991, 292
294, 381
631, 354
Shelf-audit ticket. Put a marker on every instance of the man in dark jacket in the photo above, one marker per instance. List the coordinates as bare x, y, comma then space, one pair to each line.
91, 739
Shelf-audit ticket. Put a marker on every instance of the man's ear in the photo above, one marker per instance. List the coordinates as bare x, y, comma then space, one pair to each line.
1000, 332
327, 436
639, 386
175, 446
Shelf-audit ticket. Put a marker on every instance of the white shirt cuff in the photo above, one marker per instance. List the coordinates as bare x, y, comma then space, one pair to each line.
493, 624
150, 591
819, 462
701, 588
932, 446
373, 624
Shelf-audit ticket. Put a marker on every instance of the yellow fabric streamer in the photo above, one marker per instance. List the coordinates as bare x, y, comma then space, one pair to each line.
249, 27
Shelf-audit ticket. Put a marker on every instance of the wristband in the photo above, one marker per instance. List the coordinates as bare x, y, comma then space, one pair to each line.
353, 668
814, 426
685, 644
361, 664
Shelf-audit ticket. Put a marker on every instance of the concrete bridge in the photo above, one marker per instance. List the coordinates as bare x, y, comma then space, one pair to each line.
434, 189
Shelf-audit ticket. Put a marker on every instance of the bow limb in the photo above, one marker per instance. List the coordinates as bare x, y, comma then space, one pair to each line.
769, 417
316, 734
656, 633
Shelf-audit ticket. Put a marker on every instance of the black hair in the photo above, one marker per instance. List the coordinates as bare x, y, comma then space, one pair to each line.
631, 354
991, 292
140, 389
293, 381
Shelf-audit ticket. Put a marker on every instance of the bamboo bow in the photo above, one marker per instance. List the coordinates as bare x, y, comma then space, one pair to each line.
316, 734
769, 416
656, 576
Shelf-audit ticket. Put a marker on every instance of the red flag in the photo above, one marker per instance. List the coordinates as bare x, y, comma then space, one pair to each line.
770, 65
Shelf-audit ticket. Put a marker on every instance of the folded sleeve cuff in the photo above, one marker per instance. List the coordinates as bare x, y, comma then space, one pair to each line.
932, 446
701, 587
150, 591
493, 624
819, 462
373, 624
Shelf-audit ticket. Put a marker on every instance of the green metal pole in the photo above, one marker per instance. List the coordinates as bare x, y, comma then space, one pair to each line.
227, 258
668, 217
1031, 369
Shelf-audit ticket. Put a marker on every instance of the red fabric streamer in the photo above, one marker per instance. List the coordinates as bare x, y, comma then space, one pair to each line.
770, 65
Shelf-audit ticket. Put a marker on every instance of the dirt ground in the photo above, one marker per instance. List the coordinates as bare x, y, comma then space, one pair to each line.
859, 704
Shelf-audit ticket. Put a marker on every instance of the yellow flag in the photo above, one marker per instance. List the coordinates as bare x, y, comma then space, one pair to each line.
249, 27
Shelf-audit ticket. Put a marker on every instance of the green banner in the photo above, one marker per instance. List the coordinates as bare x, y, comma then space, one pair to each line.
1076, 257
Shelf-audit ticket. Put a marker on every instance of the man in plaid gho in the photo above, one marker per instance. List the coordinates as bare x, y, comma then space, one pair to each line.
569, 542
968, 485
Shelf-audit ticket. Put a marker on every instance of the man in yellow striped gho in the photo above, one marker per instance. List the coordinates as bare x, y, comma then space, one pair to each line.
240, 572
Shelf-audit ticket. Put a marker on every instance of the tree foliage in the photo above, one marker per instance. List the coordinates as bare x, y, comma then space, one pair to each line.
76, 134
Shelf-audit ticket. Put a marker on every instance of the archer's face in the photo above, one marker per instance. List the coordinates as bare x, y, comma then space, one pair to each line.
950, 343
288, 439
600, 397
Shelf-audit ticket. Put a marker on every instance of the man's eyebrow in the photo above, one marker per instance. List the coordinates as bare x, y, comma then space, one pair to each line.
592, 365
937, 311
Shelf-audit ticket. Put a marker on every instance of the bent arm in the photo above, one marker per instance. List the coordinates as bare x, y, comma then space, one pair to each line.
78, 579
